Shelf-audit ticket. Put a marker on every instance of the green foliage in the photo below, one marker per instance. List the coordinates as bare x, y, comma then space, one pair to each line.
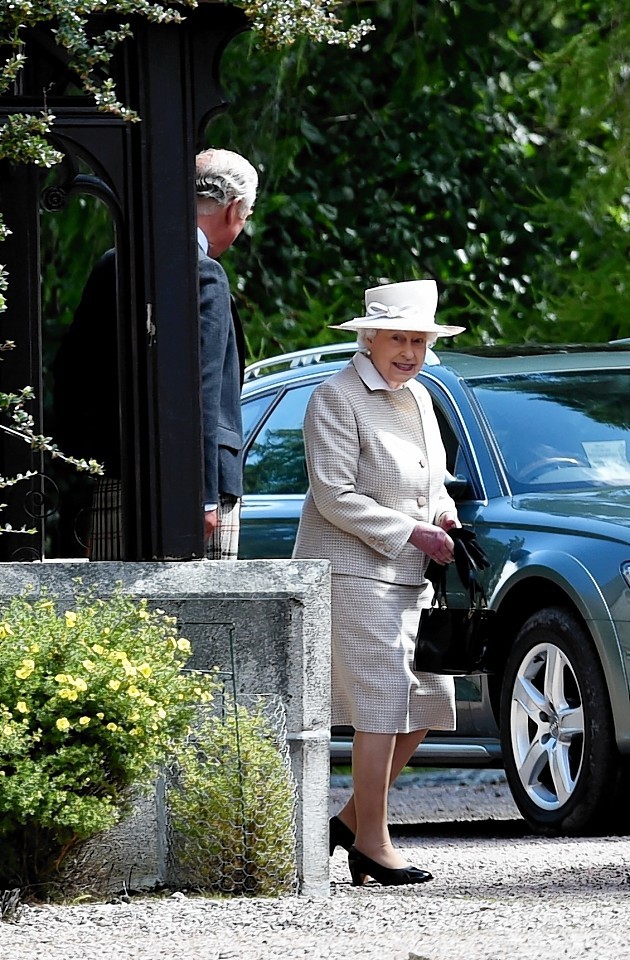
280, 23
91, 700
577, 89
450, 144
22, 140
231, 802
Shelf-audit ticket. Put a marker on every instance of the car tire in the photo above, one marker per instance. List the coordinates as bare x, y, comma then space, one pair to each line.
557, 732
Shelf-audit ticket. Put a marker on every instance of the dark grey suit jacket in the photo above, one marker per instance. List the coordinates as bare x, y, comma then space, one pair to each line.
221, 379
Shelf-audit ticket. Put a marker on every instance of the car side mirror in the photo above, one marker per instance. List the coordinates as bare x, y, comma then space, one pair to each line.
457, 486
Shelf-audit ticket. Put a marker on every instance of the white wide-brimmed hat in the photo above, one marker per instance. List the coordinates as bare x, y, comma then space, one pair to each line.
410, 305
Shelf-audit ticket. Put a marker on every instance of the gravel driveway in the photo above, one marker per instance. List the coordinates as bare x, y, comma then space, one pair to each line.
499, 893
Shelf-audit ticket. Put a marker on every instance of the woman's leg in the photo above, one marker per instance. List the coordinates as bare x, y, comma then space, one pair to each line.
404, 748
372, 773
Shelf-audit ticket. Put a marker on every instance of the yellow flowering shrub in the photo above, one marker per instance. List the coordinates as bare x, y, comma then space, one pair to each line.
91, 700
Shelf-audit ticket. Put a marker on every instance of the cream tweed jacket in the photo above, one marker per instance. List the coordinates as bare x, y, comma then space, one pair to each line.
376, 465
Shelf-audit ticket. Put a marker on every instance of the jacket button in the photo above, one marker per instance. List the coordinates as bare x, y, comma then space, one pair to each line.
422, 501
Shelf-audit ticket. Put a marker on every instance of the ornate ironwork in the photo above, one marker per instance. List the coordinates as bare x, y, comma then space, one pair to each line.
53, 199
25, 554
39, 505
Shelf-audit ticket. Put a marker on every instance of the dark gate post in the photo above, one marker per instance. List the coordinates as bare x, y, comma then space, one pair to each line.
177, 87
164, 478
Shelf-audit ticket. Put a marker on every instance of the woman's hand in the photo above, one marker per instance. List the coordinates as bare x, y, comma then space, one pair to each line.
434, 541
447, 521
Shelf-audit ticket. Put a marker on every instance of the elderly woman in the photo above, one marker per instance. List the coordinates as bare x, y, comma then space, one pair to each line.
378, 509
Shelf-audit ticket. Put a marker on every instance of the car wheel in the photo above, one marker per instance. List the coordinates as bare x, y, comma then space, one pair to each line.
557, 733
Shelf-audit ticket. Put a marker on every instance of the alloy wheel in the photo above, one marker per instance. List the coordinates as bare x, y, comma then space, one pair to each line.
547, 726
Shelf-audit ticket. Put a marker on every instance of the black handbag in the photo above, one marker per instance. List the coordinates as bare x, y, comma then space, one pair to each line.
456, 641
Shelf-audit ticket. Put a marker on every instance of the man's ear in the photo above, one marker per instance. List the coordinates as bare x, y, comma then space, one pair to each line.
232, 212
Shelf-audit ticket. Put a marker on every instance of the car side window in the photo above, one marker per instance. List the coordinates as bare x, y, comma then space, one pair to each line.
450, 441
253, 411
275, 461
456, 460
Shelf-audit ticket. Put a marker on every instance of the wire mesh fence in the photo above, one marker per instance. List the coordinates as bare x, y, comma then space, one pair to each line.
222, 820
230, 801
221, 817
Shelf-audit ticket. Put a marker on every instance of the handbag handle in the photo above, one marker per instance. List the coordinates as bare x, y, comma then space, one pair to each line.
469, 555
475, 590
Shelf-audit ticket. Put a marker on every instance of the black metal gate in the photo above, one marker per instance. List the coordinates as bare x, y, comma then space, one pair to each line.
143, 173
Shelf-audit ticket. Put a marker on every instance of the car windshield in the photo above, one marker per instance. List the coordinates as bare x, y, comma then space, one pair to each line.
555, 430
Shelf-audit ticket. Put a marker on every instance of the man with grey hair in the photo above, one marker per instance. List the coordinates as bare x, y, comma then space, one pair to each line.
226, 186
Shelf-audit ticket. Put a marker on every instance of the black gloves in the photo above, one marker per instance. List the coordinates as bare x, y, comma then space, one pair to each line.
469, 558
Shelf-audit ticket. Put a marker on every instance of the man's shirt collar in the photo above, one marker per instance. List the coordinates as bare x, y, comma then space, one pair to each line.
202, 241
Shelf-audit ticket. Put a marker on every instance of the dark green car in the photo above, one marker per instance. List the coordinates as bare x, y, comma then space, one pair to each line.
538, 445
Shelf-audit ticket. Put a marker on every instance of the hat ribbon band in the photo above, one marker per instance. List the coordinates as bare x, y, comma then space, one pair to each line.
379, 311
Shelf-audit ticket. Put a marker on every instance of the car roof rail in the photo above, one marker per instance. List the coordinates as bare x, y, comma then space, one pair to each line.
300, 358
313, 355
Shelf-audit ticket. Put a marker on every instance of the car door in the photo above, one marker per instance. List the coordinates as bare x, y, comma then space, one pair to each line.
476, 724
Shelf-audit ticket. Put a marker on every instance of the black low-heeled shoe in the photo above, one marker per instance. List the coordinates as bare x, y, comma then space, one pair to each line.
339, 835
362, 867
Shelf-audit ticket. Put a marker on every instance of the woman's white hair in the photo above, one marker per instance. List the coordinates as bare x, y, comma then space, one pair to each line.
363, 338
222, 176
366, 335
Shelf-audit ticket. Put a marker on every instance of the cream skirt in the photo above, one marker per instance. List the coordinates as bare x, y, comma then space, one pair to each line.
374, 686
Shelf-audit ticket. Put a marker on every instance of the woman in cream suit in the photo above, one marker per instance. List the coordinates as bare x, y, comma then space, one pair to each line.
378, 509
